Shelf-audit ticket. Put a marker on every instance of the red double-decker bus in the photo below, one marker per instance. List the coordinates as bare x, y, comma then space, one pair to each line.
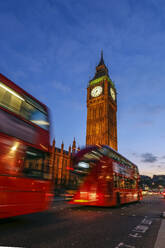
105, 178
25, 175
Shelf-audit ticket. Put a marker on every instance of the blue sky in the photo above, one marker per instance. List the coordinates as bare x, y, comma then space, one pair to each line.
51, 48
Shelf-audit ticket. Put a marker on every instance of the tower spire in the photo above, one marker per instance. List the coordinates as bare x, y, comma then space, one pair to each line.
74, 145
101, 69
101, 60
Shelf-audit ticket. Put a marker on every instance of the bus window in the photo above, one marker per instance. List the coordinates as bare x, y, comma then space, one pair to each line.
133, 183
104, 151
127, 183
115, 181
10, 99
93, 155
121, 182
39, 119
83, 167
36, 164
34, 115
26, 107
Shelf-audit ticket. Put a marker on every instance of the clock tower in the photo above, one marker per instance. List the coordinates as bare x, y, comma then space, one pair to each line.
101, 109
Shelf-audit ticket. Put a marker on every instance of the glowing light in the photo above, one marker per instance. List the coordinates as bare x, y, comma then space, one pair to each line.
11, 91
31, 153
92, 196
80, 200
44, 147
40, 122
14, 147
83, 165
69, 168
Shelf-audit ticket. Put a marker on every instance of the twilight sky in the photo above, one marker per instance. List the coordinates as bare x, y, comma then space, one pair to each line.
51, 48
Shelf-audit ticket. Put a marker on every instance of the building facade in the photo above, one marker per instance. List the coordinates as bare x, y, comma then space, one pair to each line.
101, 125
61, 163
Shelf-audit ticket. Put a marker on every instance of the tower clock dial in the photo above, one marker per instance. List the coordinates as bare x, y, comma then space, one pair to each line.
96, 91
112, 92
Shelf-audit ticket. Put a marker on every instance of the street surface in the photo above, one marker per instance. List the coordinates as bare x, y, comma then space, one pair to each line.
65, 226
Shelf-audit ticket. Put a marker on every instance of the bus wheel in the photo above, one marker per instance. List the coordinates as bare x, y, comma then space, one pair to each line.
118, 199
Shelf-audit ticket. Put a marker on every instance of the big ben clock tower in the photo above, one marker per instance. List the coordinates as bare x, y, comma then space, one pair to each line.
101, 109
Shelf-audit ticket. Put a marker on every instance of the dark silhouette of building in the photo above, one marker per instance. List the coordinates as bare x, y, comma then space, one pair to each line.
156, 182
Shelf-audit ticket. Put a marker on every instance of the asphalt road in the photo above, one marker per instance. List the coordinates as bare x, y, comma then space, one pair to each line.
65, 226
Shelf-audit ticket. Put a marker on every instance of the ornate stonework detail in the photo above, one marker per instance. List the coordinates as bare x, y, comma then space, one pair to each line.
101, 109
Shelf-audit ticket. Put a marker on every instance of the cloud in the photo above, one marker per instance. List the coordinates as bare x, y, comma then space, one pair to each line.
61, 86
154, 109
148, 158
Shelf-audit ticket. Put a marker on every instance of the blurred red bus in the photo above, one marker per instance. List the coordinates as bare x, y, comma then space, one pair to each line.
25, 176
105, 178
163, 194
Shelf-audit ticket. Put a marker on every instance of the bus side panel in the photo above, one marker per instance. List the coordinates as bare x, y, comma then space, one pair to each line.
87, 192
19, 194
126, 195
23, 195
107, 171
96, 190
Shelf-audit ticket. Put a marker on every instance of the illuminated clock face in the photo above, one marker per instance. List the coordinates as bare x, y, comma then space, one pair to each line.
96, 91
112, 92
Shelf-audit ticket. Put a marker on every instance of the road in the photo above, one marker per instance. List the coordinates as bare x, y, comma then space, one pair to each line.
65, 226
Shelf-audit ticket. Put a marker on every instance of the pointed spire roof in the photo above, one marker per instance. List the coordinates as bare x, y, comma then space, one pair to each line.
54, 142
74, 145
74, 142
101, 69
101, 60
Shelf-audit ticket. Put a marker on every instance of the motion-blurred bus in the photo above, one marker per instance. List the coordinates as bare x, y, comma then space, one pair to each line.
163, 194
105, 178
25, 175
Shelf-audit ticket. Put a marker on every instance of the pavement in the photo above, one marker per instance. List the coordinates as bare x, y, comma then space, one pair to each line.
160, 242
137, 225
